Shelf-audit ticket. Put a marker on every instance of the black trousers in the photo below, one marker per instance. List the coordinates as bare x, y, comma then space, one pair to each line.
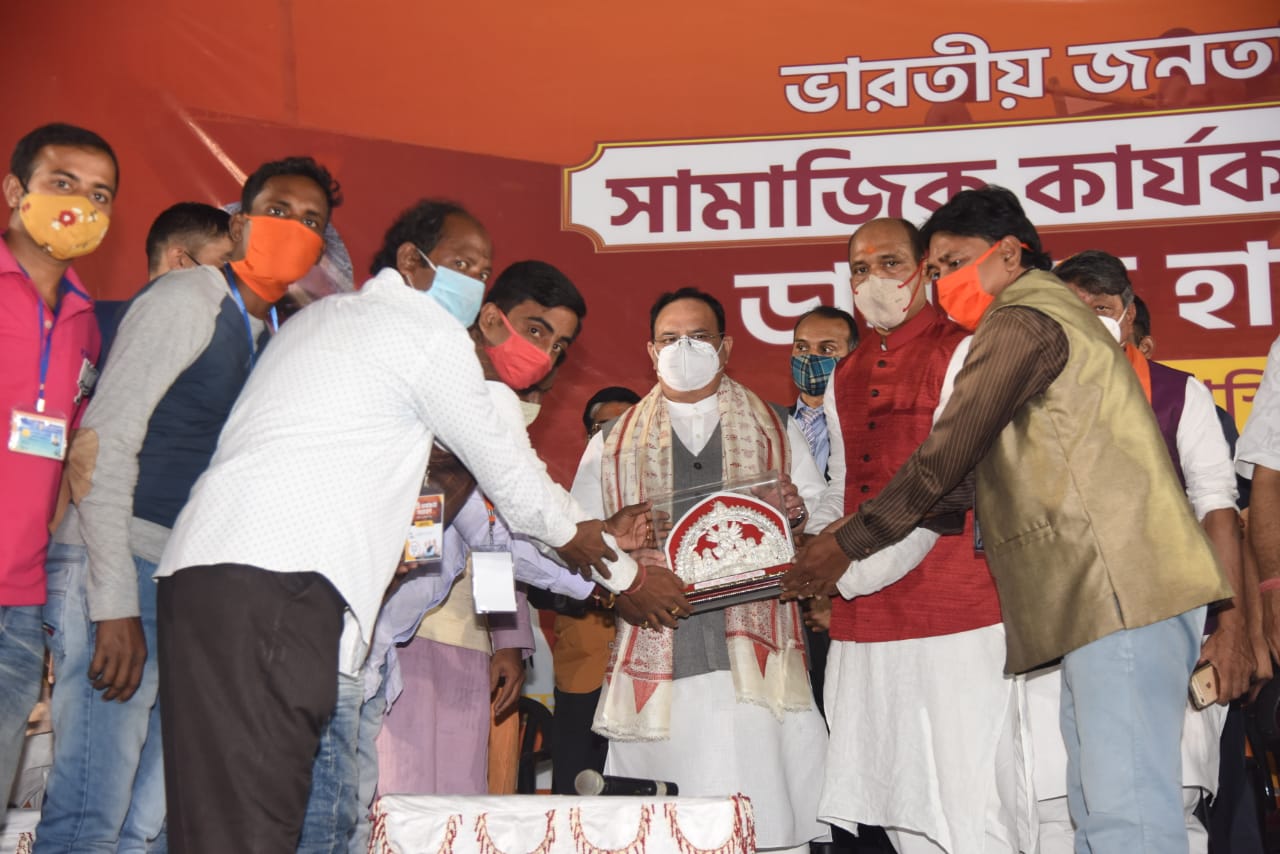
574, 747
248, 677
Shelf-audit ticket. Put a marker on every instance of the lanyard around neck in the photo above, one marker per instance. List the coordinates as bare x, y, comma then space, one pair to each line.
46, 349
46, 335
244, 312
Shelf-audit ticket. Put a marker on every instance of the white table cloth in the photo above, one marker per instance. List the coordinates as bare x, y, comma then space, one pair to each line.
544, 824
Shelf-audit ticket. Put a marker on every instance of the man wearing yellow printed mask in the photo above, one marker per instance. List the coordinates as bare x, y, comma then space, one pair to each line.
60, 188
922, 629
184, 348
1050, 417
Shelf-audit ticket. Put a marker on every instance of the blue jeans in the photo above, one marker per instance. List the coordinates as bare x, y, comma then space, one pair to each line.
106, 789
333, 807
21, 666
1123, 698
371, 714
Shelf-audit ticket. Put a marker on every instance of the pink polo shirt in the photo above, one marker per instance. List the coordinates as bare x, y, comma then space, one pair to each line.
29, 484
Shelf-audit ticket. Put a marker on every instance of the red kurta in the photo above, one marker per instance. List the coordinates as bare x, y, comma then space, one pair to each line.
885, 399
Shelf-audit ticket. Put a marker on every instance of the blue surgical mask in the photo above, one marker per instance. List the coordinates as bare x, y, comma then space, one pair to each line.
457, 294
811, 373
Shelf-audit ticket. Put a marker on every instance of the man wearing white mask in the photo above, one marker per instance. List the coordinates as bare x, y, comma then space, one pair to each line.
722, 703
921, 631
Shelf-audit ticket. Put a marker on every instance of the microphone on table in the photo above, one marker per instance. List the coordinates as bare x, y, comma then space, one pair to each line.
591, 783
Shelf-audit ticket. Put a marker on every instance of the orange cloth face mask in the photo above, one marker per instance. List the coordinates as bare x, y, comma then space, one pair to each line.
280, 252
961, 295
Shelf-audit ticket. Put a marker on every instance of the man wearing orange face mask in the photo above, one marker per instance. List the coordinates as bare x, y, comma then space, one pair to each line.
184, 347
1049, 416
60, 188
922, 631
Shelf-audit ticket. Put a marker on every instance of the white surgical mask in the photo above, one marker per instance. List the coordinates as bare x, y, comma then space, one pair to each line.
686, 365
884, 302
530, 411
1113, 326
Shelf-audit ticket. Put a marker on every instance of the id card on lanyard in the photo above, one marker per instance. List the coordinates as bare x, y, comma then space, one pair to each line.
493, 573
424, 546
35, 429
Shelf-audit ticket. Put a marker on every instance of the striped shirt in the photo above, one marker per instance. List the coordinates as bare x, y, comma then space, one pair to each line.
1016, 353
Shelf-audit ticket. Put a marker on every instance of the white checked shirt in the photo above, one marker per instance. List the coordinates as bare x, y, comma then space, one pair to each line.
321, 461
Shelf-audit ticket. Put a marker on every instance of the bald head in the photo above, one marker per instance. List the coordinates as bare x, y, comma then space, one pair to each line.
889, 230
887, 249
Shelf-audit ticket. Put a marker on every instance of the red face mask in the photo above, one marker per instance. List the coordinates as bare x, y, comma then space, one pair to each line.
280, 252
961, 295
518, 362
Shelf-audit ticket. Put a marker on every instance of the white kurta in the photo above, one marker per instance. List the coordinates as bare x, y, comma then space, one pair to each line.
719, 746
927, 735
1260, 442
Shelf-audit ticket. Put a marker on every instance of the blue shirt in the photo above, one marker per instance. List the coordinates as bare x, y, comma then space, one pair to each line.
816, 433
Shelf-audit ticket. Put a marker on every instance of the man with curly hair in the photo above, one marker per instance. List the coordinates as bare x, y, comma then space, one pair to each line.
183, 350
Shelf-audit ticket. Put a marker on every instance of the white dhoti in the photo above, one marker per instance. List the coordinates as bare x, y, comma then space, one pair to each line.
927, 741
719, 746
1201, 738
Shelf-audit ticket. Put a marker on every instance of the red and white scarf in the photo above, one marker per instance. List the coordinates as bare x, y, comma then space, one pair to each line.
766, 645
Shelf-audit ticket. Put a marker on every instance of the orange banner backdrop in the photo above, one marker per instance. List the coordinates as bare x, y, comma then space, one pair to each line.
497, 105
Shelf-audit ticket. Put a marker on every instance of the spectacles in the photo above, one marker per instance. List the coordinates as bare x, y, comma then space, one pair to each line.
700, 337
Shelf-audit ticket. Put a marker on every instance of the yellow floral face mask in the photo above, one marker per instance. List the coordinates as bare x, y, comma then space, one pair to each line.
64, 226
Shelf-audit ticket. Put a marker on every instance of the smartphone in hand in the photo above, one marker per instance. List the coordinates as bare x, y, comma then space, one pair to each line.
1204, 686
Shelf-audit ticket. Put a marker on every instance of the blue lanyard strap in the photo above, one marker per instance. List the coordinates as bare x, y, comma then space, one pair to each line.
46, 337
244, 312
46, 348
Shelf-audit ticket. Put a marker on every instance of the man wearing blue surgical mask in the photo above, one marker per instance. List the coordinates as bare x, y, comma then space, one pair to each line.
337, 424
452, 263
822, 338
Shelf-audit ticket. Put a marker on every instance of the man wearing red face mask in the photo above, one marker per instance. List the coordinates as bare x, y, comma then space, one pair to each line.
921, 629
1050, 417
184, 348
